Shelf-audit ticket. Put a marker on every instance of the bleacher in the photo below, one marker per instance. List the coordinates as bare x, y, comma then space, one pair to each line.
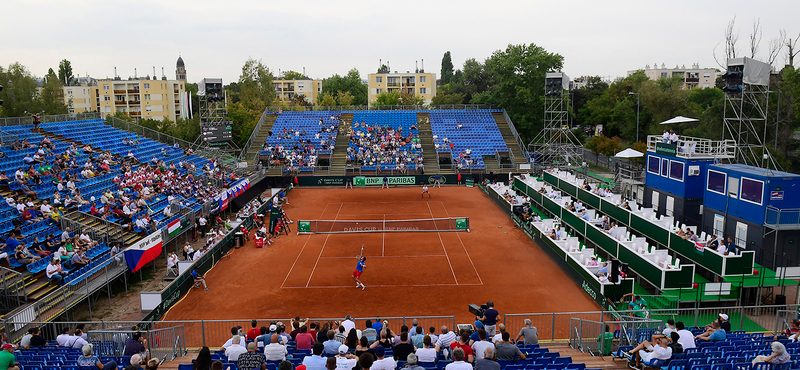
302, 138
479, 133
399, 122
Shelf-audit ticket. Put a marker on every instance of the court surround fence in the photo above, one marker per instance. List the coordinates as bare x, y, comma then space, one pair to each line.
382, 226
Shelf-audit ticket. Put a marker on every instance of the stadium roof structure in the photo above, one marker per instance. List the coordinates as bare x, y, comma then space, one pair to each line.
679, 119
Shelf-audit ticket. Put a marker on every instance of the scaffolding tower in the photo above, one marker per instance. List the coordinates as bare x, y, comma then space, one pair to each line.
212, 101
745, 111
556, 145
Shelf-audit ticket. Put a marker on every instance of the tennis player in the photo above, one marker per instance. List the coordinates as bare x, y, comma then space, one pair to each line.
425, 190
362, 263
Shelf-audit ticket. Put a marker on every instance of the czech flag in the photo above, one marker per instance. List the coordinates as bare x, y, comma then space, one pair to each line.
143, 252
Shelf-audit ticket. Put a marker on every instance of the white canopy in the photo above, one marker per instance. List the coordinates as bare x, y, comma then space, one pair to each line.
629, 153
679, 119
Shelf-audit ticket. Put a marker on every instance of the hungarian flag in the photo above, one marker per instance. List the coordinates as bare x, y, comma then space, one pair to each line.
700, 247
174, 227
143, 252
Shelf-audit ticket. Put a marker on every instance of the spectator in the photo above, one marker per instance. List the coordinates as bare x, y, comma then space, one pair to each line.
411, 363
352, 339
340, 336
369, 332
62, 338
686, 337
235, 349
89, 360
78, 341
791, 332
713, 334
724, 323
251, 359
426, 354
463, 343
152, 364
675, 343
203, 360
670, 327
345, 361
362, 347
432, 334
529, 333
36, 338
135, 344
402, 350
254, 331
489, 319
383, 363
366, 361
417, 337
136, 362
778, 356
54, 271
499, 336
487, 362
507, 351
315, 361
645, 351
348, 324
458, 361
330, 362
480, 346
331, 345
304, 340
25, 342
7, 359
445, 339
384, 341
275, 351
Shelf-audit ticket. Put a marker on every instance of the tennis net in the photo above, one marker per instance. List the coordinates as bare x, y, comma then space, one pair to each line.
382, 226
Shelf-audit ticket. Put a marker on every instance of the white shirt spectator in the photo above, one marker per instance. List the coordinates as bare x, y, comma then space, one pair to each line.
661, 353
62, 339
348, 324
445, 339
50, 271
458, 365
426, 354
275, 352
46, 209
230, 342
78, 342
234, 351
386, 364
686, 339
480, 347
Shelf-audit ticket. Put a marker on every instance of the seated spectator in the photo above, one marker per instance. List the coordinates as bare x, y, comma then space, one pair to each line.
402, 350
713, 334
251, 359
36, 340
275, 351
7, 359
383, 363
463, 343
315, 361
344, 360
645, 351
458, 361
791, 332
507, 351
427, 353
235, 349
778, 356
487, 362
529, 333
89, 360
77, 340
411, 363
331, 345
136, 344
23, 256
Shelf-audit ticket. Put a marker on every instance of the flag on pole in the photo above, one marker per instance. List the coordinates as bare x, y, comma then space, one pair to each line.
174, 227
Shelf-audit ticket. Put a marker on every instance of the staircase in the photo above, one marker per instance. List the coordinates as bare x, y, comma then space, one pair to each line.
592, 362
251, 157
114, 231
429, 157
511, 141
339, 160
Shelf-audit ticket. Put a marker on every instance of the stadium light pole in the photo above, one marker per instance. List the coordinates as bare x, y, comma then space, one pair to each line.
637, 113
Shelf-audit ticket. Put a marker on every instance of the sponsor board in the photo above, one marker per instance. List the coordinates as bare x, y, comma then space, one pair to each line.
392, 180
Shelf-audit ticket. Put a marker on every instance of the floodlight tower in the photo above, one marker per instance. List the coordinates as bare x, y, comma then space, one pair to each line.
745, 112
556, 145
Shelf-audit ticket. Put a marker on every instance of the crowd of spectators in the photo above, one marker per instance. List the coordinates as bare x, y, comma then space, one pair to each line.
293, 148
374, 145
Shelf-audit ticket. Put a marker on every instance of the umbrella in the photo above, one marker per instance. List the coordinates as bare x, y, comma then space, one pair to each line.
679, 119
629, 153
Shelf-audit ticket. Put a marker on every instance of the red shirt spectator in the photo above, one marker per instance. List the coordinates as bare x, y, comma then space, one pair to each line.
304, 340
26, 215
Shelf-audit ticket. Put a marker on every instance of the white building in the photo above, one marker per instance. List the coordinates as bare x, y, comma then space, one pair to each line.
693, 77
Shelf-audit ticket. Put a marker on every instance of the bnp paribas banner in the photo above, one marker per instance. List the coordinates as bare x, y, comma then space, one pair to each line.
393, 180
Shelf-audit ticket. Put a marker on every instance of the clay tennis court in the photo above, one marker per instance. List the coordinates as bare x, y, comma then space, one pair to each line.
407, 274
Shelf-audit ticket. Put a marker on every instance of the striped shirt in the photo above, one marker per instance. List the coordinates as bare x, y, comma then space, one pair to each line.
445, 339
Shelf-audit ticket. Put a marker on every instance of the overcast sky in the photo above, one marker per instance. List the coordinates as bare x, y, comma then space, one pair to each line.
604, 38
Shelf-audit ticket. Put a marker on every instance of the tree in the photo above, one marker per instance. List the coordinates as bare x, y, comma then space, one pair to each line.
351, 82
300, 100
410, 99
383, 69
447, 99
52, 95
326, 99
19, 91
256, 88
387, 98
292, 75
344, 98
447, 68
65, 75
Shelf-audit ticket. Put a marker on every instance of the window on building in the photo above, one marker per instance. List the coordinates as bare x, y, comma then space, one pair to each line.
664, 74
379, 79
752, 190
72, 110
69, 92
300, 85
705, 86
146, 85
716, 182
423, 90
665, 168
707, 74
148, 108
105, 87
108, 109
106, 98
676, 170
423, 79
378, 91
653, 164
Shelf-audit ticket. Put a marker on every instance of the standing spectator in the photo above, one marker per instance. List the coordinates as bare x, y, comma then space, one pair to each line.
202, 223
507, 351
348, 324
489, 319
426, 354
89, 360
487, 362
529, 332
730, 247
275, 351
251, 359
383, 363
315, 361
458, 361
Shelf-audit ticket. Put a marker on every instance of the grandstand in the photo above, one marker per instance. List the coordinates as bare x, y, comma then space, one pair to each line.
436, 141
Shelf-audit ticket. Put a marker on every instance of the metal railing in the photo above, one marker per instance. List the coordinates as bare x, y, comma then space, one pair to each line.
252, 138
784, 219
15, 121
695, 147
521, 144
13, 290
299, 108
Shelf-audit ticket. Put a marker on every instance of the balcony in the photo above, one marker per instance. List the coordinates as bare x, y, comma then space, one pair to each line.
177, 102
408, 84
133, 91
120, 102
135, 114
132, 102
390, 84
692, 79
177, 91
120, 91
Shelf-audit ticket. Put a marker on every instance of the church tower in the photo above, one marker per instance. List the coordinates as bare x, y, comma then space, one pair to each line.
180, 70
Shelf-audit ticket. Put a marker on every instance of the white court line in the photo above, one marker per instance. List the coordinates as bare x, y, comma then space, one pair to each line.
376, 286
463, 246
383, 243
323, 248
301, 250
443, 248
403, 256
